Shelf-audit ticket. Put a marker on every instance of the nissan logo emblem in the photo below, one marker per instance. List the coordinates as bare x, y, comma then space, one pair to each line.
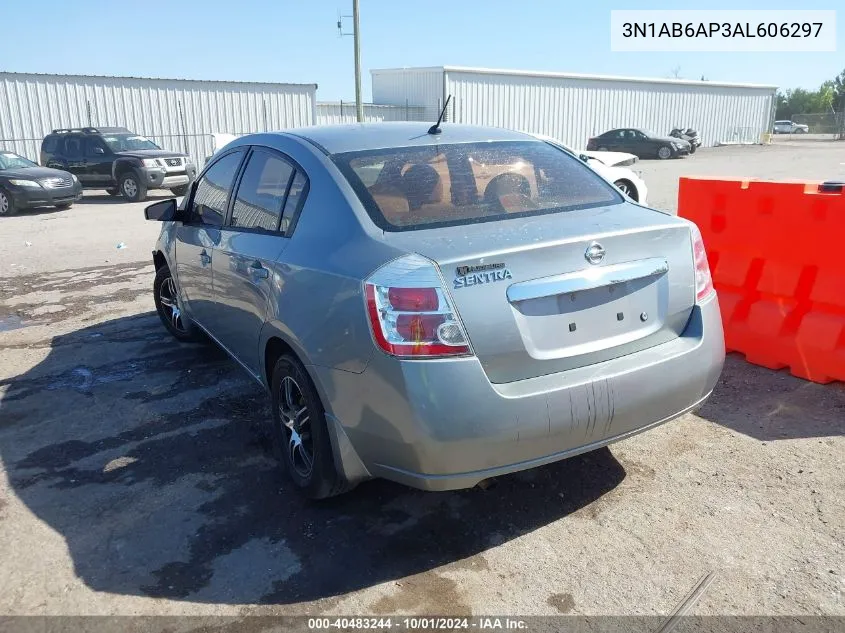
594, 253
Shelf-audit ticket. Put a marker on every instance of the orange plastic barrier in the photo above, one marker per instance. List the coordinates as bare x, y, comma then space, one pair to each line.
777, 254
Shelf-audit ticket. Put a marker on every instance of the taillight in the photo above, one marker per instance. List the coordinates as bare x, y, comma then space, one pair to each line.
703, 279
410, 312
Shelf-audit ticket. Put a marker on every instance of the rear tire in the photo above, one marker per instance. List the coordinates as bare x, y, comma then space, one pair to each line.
132, 188
179, 191
64, 206
299, 432
664, 152
167, 306
692, 149
7, 206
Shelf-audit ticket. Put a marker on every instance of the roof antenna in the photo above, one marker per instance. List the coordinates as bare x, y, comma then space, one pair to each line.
435, 129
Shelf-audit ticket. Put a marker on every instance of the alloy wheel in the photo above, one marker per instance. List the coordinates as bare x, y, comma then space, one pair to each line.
170, 304
4, 204
623, 187
296, 427
130, 188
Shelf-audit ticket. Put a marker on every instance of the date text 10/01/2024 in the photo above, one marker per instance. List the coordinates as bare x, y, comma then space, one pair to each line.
721, 29
417, 624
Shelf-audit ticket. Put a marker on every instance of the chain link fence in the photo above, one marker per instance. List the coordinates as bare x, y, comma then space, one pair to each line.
828, 125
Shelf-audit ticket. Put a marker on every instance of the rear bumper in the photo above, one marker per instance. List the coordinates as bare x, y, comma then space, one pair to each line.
441, 425
28, 198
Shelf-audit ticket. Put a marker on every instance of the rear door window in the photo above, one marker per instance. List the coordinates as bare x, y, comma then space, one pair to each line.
73, 147
261, 192
211, 199
424, 187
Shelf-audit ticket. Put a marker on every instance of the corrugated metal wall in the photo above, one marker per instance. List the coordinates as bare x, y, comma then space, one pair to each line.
177, 114
423, 86
344, 112
574, 108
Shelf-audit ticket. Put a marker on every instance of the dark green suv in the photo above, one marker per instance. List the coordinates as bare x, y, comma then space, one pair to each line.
117, 160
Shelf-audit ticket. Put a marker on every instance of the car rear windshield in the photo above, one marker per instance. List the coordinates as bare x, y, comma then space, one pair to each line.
439, 185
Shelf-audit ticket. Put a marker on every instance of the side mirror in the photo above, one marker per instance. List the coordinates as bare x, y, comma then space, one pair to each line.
99, 150
164, 211
584, 158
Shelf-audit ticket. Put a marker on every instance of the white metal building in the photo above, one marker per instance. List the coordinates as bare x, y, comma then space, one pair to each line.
338, 112
177, 114
573, 107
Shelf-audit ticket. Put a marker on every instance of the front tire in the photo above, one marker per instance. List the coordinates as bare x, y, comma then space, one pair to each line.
7, 206
132, 188
692, 149
664, 152
299, 432
166, 301
64, 206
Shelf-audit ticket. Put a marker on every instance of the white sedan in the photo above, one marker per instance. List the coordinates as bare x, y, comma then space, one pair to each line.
611, 166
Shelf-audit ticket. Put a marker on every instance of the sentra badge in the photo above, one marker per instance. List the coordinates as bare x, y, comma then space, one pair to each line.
481, 274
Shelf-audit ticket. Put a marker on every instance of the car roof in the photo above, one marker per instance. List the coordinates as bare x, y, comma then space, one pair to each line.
338, 139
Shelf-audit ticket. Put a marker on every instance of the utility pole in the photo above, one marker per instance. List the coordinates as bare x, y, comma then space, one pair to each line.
359, 106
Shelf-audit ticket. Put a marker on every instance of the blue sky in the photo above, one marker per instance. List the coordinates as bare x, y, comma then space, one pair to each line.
296, 41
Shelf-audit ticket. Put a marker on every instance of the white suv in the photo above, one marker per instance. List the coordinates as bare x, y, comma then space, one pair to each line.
790, 127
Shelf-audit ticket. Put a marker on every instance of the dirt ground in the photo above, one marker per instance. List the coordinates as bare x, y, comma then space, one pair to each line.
136, 476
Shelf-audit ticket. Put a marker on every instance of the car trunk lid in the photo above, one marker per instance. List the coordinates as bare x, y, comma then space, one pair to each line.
565, 290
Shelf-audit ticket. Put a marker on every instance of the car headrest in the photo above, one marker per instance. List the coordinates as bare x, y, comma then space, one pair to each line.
506, 184
422, 185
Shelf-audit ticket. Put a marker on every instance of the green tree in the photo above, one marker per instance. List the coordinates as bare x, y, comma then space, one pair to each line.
824, 97
830, 97
839, 84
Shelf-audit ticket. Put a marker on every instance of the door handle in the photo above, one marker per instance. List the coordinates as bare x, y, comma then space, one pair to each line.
258, 271
205, 258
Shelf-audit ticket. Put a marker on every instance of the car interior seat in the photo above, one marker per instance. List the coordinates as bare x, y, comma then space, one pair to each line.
422, 185
508, 193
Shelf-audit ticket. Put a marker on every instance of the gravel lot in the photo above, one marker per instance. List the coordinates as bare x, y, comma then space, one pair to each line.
136, 477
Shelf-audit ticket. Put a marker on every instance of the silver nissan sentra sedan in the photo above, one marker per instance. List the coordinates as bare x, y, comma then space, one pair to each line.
437, 306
